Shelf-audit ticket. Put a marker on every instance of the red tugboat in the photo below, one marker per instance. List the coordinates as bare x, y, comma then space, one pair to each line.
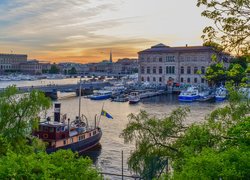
75, 135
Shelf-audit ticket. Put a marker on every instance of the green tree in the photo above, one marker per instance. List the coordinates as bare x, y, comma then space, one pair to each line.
73, 71
54, 69
236, 73
217, 148
154, 140
216, 73
59, 165
231, 24
19, 114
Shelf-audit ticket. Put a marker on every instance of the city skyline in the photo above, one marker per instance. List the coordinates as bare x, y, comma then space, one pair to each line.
85, 31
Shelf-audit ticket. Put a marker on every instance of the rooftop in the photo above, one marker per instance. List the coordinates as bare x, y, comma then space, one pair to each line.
167, 49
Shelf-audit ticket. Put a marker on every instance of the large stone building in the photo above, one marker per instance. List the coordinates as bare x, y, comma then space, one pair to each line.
11, 62
31, 67
164, 65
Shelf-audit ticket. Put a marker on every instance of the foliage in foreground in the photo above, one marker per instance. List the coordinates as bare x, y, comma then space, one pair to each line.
21, 155
217, 148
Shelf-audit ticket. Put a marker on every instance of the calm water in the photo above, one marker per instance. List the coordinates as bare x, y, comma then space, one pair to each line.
108, 157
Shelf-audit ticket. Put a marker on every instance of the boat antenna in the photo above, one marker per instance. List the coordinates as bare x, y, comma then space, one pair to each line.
80, 95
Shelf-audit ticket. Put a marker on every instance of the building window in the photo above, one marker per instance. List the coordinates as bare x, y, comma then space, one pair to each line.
160, 79
182, 70
148, 79
202, 80
170, 59
195, 70
142, 78
142, 70
160, 59
182, 80
148, 70
188, 70
173, 69
170, 69
154, 70
202, 70
160, 70
154, 79
188, 80
195, 80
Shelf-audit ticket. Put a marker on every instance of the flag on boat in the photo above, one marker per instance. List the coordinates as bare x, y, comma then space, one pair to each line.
104, 113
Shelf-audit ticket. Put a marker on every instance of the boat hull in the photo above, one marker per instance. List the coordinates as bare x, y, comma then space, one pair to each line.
100, 97
133, 101
188, 98
80, 146
220, 98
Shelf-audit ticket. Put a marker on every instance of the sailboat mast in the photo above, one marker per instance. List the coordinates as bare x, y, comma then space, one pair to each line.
80, 97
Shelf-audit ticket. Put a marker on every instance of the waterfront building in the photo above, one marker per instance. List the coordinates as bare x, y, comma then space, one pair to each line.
163, 65
125, 66
11, 62
31, 67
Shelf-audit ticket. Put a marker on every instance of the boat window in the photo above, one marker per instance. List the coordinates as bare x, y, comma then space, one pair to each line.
51, 129
64, 142
89, 134
94, 132
58, 129
45, 128
71, 140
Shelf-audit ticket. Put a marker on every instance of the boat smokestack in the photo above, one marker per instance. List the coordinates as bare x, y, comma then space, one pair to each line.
57, 111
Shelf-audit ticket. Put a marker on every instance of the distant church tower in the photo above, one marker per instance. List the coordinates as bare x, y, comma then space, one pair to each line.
110, 58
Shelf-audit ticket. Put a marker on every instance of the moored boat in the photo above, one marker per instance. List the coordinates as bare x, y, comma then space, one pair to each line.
101, 95
75, 135
189, 95
221, 93
134, 97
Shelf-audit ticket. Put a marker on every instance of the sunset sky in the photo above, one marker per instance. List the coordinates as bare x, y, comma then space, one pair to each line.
85, 30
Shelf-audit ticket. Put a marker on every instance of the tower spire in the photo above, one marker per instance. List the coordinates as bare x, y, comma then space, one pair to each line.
110, 58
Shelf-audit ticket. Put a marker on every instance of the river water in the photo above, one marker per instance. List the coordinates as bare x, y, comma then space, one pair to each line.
108, 157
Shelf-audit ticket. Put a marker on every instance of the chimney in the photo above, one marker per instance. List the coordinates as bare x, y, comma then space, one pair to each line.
57, 111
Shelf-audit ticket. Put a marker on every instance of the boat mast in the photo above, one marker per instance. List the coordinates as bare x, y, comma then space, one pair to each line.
80, 95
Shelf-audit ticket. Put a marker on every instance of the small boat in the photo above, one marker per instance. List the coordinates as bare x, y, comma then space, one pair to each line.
75, 135
101, 95
189, 95
121, 98
134, 97
205, 96
221, 93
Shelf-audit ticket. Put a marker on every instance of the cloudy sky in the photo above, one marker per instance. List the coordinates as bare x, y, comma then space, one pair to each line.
85, 30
